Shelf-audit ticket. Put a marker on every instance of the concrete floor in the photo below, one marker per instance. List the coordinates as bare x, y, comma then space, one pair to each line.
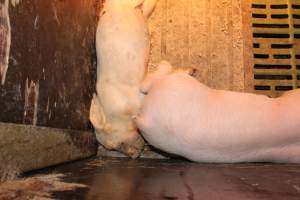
122, 179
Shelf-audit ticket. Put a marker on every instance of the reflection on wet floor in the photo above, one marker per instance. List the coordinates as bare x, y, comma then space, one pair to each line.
118, 179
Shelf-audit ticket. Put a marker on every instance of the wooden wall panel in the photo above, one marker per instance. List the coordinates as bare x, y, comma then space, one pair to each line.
52, 67
213, 36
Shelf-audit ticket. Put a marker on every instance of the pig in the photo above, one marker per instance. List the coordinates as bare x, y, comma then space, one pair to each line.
122, 45
184, 117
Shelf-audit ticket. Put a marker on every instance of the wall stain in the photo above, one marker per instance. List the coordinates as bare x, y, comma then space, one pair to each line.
31, 102
5, 39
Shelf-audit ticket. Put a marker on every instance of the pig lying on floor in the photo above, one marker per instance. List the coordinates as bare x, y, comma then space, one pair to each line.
184, 117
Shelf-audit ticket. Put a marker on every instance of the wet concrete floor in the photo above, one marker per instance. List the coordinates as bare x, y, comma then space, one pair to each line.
123, 179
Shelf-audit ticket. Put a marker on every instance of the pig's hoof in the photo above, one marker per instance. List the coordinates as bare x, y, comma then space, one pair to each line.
132, 149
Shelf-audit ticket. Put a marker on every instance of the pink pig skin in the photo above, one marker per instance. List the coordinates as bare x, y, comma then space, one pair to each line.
182, 116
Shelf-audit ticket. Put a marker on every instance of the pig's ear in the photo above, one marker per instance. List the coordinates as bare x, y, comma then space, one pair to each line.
164, 67
97, 116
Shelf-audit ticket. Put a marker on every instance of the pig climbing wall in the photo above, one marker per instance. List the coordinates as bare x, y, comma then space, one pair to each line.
213, 36
51, 73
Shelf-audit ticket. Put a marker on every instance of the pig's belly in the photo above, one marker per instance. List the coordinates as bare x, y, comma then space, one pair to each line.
240, 127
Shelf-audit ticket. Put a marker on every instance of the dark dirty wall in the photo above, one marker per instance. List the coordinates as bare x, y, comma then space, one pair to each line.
52, 63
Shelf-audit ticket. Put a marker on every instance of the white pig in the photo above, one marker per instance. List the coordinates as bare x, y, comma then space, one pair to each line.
122, 43
184, 117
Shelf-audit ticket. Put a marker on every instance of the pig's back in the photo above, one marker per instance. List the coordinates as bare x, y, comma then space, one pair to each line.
122, 43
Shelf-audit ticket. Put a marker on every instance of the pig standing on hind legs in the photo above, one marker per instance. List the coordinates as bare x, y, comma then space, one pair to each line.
182, 116
122, 43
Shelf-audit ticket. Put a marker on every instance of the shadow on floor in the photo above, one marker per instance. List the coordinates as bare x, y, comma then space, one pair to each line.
123, 179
